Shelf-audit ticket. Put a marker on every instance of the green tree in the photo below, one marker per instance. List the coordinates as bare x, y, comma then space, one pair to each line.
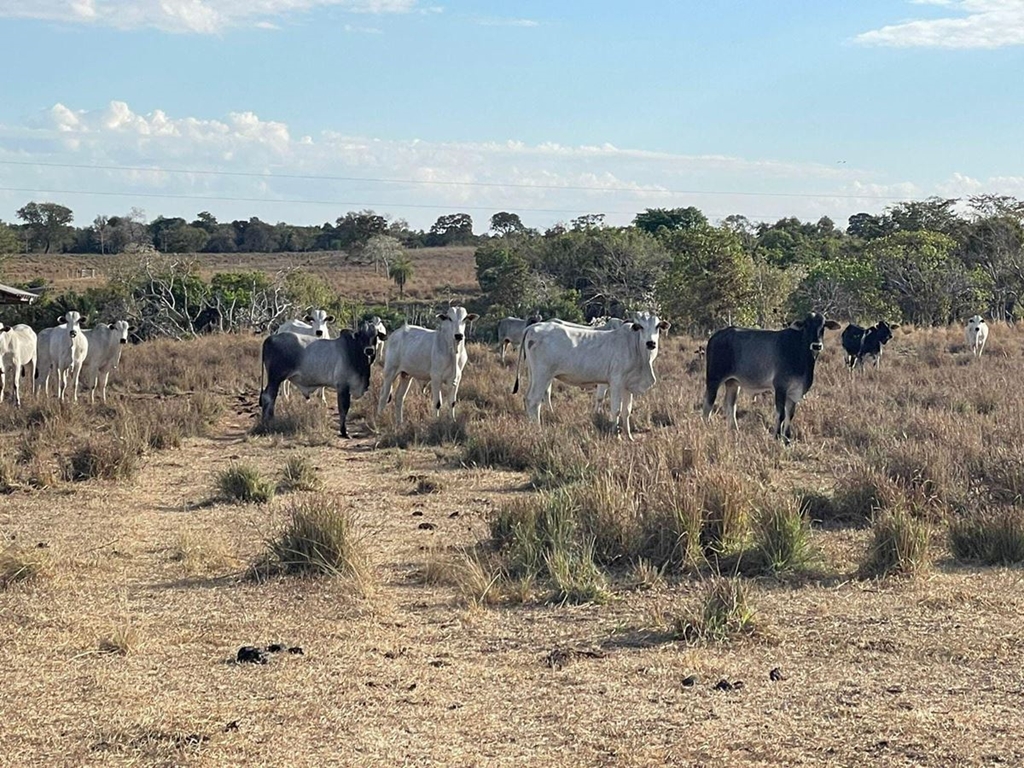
8, 239
48, 223
382, 251
708, 283
671, 219
504, 223
452, 229
849, 288
505, 277
401, 271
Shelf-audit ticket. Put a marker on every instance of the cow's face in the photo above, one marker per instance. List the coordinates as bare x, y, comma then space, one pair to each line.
381, 329
319, 319
72, 319
649, 326
975, 322
883, 331
121, 330
453, 324
813, 329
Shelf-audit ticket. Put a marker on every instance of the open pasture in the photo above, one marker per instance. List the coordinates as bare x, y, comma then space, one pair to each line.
127, 580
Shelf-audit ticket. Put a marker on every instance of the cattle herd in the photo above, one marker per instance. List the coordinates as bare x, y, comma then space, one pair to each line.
614, 356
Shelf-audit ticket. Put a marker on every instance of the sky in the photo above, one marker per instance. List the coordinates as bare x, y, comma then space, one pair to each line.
302, 110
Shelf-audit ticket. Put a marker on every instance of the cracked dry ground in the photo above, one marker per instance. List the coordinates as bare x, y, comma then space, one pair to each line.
924, 672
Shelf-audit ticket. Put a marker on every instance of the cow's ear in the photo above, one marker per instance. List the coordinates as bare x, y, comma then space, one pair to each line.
132, 328
4, 329
832, 325
111, 326
441, 317
471, 317
60, 319
307, 319
798, 324
329, 319
664, 325
636, 326
894, 326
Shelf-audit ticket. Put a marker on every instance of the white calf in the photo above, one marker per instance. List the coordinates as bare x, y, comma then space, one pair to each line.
17, 356
105, 345
622, 358
438, 357
68, 350
977, 334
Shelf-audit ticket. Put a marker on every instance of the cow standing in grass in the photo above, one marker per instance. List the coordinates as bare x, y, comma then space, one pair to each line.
434, 356
977, 335
17, 358
859, 342
68, 350
313, 325
622, 359
308, 363
775, 361
105, 345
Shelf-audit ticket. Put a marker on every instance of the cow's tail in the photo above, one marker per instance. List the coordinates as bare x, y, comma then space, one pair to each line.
519, 363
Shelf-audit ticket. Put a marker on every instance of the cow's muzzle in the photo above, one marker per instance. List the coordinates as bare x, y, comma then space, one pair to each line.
124, 341
652, 345
459, 337
816, 347
72, 334
319, 334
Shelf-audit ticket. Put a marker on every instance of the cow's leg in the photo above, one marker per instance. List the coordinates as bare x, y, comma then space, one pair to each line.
344, 402
535, 396
404, 382
785, 409
732, 391
385, 391
62, 382
77, 374
437, 395
454, 394
710, 394
504, 348
104, 380
600, 393
15, 375
268, 399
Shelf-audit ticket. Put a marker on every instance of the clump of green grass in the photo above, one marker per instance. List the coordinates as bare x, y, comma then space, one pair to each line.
244, 483
723, 612
471, 574
899, 544
575, 575
105, 458
782, 541
299, 474
20, 564
992, 537
320, 539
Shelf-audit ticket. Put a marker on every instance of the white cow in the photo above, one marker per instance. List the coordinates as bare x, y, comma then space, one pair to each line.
315, 325
977, 334
622, 358
599, 324
382, 337
437, 357
17, 356
44, 365
68, 350
105, 345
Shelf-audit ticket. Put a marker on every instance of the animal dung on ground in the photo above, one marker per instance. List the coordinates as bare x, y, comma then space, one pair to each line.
725, 685
775, 675
689, 681
426, 526
250, 654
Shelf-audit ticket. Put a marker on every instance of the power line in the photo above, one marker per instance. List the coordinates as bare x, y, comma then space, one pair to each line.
492, 184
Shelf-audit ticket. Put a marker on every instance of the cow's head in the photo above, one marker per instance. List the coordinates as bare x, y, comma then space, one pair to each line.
72, 320
649, 326
813, 329
883, 331
319, 319
534, 319
121, 330
975, 322
453, 324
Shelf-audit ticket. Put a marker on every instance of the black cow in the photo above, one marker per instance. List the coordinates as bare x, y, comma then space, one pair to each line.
859, 342
778, 361
308, 362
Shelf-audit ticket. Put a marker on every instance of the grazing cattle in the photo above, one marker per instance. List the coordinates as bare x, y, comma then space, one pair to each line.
308, 363
977, 335
105, 345
313, 325
510, 331
860, 342
44, 365
778, 361
437, 356
68, 350
17, 358
622, 359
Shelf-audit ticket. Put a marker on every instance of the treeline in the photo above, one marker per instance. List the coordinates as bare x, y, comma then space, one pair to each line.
924, 262
49, 228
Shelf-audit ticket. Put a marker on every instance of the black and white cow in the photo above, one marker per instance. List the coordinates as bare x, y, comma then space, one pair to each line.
308, 363
860, 342
777, 361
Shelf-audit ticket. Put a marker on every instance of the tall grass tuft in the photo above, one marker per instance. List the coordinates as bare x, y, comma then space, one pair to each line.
19, 564
723, 612
320, 539
782, 541
991, 537
244, 483
299, 474
899, 544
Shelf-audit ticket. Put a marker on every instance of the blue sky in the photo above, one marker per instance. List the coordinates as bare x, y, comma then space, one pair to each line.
300, 110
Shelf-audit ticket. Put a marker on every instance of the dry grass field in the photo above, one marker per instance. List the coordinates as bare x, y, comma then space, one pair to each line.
513, 596
436, 271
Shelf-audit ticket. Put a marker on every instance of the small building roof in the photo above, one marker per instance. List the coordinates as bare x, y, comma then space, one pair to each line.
10, 295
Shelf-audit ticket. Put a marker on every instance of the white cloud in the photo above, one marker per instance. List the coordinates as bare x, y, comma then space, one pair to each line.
188, 16
102, 160
502, 22
976, 24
